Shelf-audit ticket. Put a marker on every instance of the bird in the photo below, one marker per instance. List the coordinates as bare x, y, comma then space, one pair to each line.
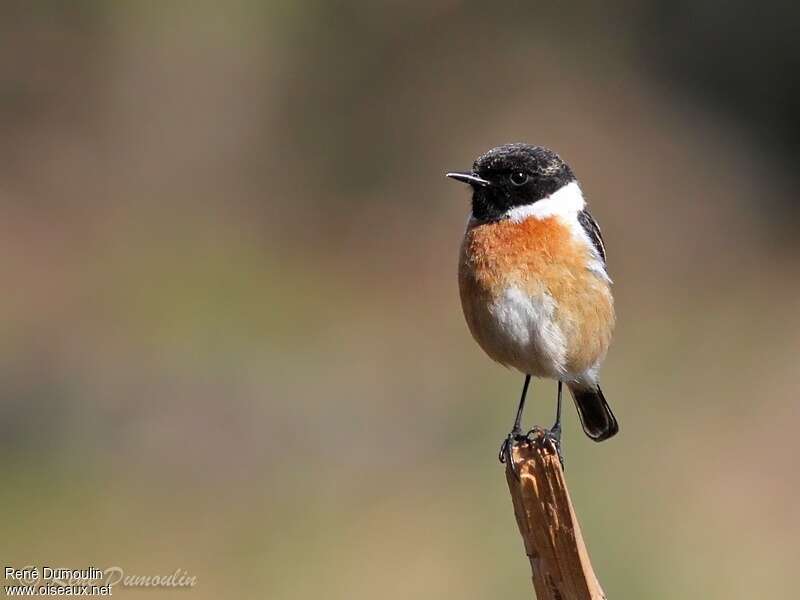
534, 286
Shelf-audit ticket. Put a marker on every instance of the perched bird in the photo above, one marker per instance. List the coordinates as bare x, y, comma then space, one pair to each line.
532, 275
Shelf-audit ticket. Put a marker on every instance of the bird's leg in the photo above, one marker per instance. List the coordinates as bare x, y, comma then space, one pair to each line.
556, 428
553, 435
516, 431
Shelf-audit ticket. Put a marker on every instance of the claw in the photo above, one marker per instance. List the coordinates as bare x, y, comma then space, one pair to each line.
552, 436
548, 437
504, 456
504, 451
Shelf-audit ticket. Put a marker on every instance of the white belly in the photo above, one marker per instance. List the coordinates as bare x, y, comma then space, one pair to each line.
519, 330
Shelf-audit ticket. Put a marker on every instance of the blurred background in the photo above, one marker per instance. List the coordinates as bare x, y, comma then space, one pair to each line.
231, 338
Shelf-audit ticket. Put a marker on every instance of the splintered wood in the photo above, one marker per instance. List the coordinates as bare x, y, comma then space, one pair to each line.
553, 541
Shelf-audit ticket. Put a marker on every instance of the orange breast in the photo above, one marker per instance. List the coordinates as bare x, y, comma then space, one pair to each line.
538, 256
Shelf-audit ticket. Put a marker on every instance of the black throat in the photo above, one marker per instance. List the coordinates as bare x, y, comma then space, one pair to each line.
516, 175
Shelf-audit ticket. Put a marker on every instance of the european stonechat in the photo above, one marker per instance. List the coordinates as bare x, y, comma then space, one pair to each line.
532, 275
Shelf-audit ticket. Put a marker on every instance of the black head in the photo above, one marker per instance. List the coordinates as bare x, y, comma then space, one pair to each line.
513, 175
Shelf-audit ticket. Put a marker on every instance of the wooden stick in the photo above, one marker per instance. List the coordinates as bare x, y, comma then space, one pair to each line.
548, 525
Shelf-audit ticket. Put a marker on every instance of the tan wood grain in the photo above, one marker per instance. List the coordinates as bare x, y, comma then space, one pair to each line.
553, 542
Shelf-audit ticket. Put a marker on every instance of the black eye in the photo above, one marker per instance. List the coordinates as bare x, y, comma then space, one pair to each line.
519, 178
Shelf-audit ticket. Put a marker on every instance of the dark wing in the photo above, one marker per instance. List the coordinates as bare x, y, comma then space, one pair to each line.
592, 230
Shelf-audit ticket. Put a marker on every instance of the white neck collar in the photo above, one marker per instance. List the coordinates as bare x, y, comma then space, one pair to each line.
564, 202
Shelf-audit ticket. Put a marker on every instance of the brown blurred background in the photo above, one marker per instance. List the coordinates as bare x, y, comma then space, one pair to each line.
232, 341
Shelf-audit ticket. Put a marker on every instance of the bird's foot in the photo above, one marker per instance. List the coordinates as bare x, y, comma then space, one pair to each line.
553, 436
514, 437
548, 437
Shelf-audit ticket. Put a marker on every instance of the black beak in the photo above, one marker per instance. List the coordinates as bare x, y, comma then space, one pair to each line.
469, 178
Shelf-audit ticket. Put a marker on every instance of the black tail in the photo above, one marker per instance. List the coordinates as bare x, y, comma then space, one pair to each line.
596, 417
